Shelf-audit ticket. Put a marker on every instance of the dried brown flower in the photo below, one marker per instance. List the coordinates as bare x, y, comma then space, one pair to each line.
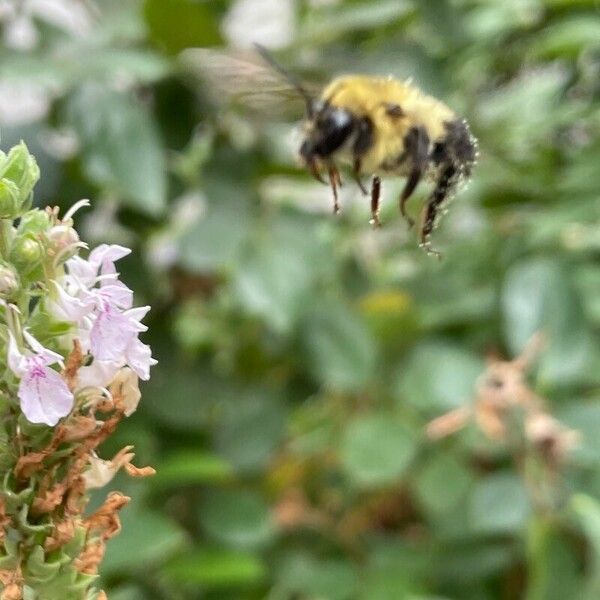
503, 391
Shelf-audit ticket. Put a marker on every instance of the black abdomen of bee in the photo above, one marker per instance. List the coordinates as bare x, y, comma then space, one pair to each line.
458, 147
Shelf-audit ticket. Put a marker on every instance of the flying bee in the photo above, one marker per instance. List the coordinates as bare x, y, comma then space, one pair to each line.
380, 127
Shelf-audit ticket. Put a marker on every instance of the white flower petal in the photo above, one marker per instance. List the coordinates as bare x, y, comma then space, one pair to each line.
73, 308
16, 359
48, 356
99, 473
126, 384
82, 270
139, 358
99, 374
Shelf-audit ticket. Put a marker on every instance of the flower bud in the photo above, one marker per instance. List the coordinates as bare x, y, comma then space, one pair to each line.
34, 221
27, 253
9, 282
10, 199
20, 168
60, 239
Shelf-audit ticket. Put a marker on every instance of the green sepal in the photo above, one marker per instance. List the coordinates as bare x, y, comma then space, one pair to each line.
38, 569
68, 584
10, 548
14, 500
27, 527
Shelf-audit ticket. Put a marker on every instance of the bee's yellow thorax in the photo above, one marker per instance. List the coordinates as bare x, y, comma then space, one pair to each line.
371, 96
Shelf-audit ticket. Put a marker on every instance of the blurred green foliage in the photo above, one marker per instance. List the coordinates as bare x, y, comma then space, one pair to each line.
302, 355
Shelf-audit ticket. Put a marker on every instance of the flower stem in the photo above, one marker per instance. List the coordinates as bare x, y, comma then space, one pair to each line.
5, 237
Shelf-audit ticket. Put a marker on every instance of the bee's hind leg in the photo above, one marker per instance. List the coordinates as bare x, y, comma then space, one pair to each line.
409, 188
375, 196
416, 149
430, 211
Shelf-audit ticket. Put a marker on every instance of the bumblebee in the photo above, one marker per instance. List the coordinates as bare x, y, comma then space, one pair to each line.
379, 126
385, 127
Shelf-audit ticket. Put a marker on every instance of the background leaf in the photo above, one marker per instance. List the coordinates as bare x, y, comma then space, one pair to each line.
121, 146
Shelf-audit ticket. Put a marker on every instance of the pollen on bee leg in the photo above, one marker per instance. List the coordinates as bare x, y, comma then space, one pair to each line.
429, 250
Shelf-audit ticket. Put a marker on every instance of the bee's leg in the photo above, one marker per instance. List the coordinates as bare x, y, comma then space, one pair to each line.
356, 173
416, 149
334, 181
314, 170
430, 211
375, 195
409, 188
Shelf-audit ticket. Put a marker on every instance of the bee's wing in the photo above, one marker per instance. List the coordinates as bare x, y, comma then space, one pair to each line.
243, 79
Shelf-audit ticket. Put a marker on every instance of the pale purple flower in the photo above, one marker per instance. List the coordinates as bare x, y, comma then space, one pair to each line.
43, 393
111, 334
104, 257
91, 296
100, 262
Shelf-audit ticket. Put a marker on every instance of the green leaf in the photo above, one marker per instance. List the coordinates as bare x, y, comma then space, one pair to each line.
276, 277
568, 37
388, 584
341, 351
326, 24
192, 467
127, 592
216, 568
192, 392
250, 429
538, 295
154, 537
438, 376
376, 450
587, 511
442, 483
521, 110
554, 570
238, 518
498, 504
330, 578
584, 417
473, 562
214, 241
121, 147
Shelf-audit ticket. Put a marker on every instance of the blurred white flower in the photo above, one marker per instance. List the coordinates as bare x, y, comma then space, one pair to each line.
271, 23
22, 102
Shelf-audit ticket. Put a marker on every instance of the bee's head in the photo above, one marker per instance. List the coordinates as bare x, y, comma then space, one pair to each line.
327, 129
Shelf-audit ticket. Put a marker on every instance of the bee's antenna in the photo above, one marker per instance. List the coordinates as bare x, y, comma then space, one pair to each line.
290, 77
